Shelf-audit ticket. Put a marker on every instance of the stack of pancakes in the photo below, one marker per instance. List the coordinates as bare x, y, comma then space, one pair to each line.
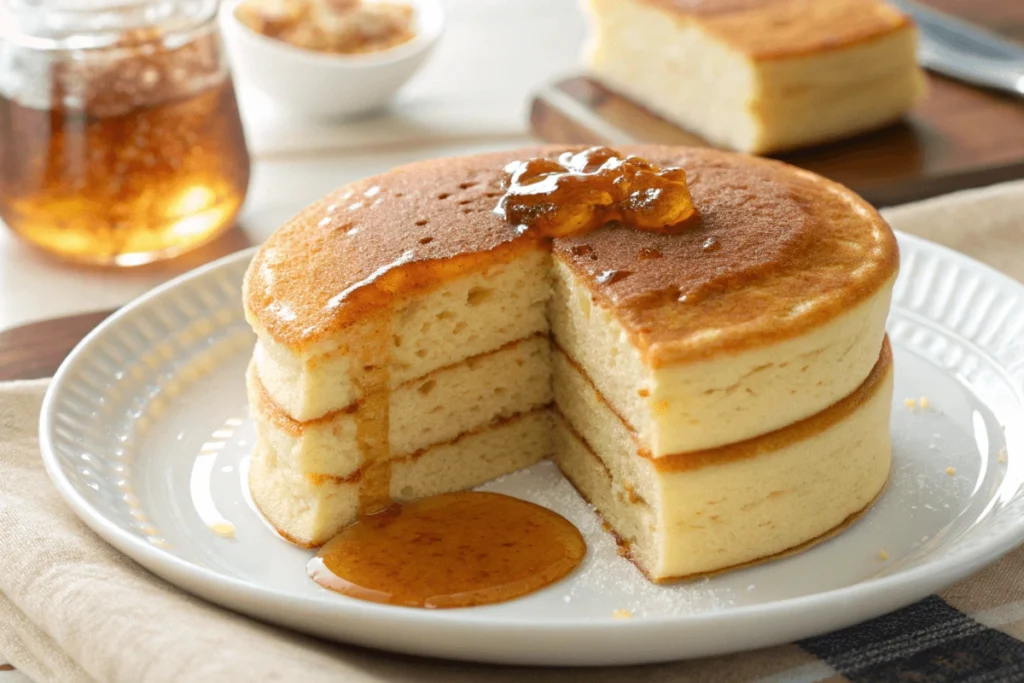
720, 396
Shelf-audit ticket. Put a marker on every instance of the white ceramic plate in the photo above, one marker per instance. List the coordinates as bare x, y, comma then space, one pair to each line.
144, 432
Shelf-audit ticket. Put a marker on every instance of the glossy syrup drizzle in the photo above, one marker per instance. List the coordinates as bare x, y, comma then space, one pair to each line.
371, 373
452, 550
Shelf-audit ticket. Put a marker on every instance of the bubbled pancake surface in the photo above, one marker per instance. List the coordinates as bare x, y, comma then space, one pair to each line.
789, 251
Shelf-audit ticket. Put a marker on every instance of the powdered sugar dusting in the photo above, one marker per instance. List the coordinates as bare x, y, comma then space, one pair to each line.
603, 572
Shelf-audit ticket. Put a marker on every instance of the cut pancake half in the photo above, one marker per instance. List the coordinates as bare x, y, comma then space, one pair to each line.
700, 512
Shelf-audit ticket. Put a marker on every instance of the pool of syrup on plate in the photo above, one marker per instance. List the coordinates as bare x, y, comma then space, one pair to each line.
452, 550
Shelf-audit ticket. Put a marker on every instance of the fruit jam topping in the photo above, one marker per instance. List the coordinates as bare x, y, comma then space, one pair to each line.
581, 192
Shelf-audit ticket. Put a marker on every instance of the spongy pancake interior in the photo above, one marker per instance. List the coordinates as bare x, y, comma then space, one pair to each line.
728, 397
433, 409
472, 315
740, 505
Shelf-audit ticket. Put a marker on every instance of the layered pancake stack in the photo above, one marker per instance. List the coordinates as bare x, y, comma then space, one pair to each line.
720, 395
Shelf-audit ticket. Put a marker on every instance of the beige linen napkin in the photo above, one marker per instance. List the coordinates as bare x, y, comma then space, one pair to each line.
73, 609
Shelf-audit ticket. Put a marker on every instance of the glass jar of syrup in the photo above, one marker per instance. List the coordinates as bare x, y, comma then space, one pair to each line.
120, 138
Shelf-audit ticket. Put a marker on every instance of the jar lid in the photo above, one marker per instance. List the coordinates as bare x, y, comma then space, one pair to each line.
92, 24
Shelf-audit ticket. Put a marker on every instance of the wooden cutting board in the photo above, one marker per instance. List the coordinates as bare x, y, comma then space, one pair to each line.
36, 350
958, 137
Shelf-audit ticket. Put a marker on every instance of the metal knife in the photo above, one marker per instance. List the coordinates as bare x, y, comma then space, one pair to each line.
961, 50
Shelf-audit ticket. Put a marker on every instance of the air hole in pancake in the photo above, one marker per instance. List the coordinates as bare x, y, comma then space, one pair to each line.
426, 240
406, 492
421, 222
422, 353
460, 327
478, 295
466, 186
397, 339
426, 387
443, 195
445, 315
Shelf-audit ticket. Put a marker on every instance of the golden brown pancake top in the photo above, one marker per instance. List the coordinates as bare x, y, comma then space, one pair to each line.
778, 252
777, 29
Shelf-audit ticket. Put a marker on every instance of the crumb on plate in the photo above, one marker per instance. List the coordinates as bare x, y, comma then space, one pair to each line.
225, 529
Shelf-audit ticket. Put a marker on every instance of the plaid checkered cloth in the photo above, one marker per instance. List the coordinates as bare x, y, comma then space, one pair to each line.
73, 609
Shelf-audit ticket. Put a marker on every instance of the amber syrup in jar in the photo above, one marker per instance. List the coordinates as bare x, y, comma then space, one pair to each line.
120, 137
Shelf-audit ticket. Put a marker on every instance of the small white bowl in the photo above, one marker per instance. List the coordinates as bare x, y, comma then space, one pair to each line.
325, 85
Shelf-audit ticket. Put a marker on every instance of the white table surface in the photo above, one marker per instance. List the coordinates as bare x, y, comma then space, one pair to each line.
472, 96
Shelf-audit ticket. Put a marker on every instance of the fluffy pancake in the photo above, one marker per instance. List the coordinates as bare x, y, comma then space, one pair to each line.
431, 409
410, 337
769, 311
759, 76
793, 250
